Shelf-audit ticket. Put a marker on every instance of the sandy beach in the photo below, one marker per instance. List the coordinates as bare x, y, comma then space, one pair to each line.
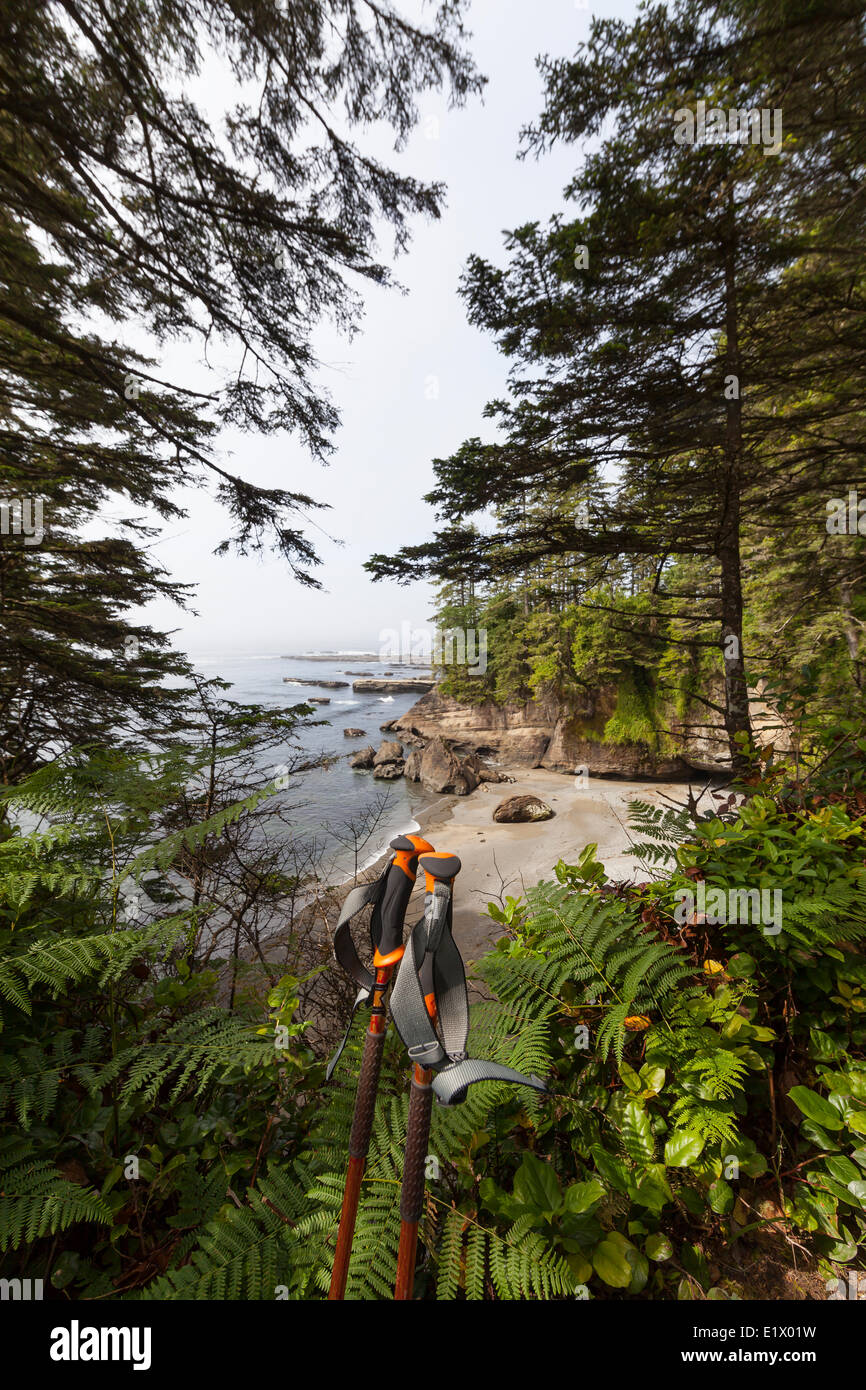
507, 859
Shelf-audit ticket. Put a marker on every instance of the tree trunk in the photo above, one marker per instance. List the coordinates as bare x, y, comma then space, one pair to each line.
737, 722
852, 635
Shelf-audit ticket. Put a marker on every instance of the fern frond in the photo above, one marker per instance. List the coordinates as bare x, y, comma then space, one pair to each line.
38, 1201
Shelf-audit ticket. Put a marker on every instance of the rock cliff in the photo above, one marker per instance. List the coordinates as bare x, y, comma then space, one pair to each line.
565, 737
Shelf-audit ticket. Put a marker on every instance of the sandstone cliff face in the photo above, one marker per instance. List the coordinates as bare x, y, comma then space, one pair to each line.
514, 733
547, 733
539, 733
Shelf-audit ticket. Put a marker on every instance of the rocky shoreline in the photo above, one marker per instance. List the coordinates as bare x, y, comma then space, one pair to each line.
546, 733
453, 749
569, 737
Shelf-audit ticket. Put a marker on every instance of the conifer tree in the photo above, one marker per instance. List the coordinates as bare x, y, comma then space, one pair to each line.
145, 201
695, 332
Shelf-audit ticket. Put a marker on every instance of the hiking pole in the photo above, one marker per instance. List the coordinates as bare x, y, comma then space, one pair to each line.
438, 868
390, 895
430, 1009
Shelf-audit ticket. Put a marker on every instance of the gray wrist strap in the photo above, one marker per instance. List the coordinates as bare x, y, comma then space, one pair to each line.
443, 1051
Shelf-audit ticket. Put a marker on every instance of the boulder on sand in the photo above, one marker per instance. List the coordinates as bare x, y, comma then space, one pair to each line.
364, 757
354, 733
516, 810
389, 751
388, 772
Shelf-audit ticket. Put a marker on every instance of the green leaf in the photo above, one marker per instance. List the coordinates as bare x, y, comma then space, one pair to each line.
817, 1136
580, 1196
536, 1185
580, 1268
658, 1247
815, 1107
721, 1197
637, 1133
611, 1264
498, 1202
613, 1170
652, 1077
651, 1192
630, 1077
639, 1269
694, 1202
741, 966
694, 1262
843, 1169
683, 1148
824, 1049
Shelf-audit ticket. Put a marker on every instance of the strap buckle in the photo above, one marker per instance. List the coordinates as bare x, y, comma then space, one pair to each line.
426, 1053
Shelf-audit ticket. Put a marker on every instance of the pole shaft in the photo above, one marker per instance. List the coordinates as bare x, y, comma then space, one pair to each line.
359, 1140
414, 1178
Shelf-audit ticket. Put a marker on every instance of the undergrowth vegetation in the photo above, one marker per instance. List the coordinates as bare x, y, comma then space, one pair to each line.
706, 1123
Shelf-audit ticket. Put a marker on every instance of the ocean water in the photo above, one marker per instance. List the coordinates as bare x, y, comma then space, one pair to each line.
327, 807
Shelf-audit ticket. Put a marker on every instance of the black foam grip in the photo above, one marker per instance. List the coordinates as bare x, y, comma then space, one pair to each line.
395, 900
415, 1163
365, 1101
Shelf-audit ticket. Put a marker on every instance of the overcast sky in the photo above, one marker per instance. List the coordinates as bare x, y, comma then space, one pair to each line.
412, 384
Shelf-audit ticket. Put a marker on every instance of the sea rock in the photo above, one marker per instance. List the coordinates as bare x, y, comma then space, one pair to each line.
518, 809
323, 685
364, 757
388, 772
354, 733
412, 769
410, 736
482, 771
405, 685
440, 769
318, 700
388, 752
